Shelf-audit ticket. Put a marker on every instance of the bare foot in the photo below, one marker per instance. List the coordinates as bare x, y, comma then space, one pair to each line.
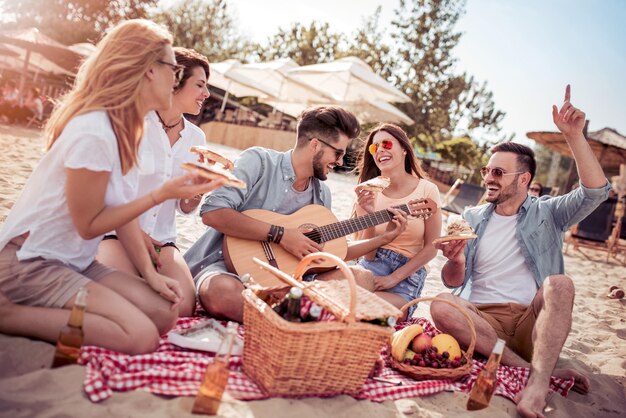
581, 383
531, 401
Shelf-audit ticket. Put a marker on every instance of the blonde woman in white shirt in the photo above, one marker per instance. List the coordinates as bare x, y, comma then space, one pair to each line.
166, 144
85, 186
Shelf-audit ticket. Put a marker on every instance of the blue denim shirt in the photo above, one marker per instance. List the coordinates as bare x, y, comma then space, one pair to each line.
268, 174
541, 225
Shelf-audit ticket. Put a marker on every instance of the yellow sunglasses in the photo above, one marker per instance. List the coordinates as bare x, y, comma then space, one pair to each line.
385, 143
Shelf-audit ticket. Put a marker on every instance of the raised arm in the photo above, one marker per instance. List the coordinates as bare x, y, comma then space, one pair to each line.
571, 122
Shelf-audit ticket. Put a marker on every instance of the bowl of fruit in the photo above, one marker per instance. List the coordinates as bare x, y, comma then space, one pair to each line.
423, 356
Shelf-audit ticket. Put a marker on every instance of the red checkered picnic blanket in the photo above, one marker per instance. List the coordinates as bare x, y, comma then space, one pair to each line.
177, 371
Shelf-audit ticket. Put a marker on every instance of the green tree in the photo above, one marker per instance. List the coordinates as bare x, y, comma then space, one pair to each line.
206, 26
444, 104
72, 21
304, 44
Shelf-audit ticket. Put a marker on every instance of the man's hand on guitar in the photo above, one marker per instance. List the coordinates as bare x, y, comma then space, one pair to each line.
396, 226
296, 243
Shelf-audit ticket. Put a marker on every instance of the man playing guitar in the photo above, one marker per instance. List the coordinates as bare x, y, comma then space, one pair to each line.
281, 182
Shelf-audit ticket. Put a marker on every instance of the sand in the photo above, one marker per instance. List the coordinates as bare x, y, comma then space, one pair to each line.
596, 344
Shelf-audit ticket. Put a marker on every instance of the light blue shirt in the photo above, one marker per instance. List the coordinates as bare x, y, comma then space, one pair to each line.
541, 225
269, 175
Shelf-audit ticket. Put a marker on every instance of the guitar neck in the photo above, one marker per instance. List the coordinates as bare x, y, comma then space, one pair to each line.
349, 226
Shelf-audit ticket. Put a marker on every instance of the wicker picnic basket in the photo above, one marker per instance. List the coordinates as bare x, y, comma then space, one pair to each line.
427, 373
315, 358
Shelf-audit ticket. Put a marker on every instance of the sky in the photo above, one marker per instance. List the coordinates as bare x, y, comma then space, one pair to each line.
526, 50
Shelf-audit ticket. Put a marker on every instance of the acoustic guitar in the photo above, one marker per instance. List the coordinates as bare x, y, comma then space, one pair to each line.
238, 252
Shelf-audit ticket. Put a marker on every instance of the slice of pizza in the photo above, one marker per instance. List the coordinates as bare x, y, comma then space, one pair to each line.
458, 229
211, 157
377, 184
213, 173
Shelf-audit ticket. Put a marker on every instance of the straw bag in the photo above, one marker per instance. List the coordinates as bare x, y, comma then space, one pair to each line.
427, 373
315, 358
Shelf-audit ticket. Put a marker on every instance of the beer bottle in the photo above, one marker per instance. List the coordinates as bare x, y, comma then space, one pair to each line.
292, 313
209, 395
71, 336
485, 385
282, 307
385, 322
314, 313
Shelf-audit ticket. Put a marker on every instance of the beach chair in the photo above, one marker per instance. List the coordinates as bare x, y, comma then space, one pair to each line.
468, 195
595, 230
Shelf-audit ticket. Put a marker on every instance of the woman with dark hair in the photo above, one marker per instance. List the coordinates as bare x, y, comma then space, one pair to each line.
399, 267
165, 147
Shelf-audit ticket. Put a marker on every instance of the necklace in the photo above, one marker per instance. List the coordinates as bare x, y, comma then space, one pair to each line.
167, 127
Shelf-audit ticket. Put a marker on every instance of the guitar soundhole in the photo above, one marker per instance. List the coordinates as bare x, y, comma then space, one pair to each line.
313, 233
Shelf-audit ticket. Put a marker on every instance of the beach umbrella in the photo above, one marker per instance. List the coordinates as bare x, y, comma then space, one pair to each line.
240, 86
83, 48
14, 57
366, 111
348, 80
31, 41
273, 78
607, 145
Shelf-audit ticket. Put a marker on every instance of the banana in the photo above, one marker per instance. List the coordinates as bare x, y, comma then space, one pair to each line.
400, 340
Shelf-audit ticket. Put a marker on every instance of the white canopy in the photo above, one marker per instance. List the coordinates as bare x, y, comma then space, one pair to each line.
239, 86
83, 48
365, 111
272, 78
348, 80
15, 58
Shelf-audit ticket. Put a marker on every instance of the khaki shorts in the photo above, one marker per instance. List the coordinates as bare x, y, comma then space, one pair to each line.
41, 282
513, 323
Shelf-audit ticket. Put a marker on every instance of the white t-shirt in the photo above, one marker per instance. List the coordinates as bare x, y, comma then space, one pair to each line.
88, 142
500, 273
158, 163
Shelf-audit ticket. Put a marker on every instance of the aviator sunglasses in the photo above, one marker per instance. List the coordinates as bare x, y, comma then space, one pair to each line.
385, 143
496, 172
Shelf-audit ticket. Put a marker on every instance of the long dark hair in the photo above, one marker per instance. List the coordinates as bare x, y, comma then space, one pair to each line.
367, 166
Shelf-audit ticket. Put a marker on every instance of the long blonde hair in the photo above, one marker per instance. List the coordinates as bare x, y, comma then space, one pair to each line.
111, 79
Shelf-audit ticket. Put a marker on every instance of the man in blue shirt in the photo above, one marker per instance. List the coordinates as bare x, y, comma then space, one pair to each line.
281, 182
515, 267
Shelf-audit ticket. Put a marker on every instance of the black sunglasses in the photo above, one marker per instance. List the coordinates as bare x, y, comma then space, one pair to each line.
177, 69
339, 153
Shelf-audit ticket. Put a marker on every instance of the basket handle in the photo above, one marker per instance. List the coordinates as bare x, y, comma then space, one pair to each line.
301, 268
472, 344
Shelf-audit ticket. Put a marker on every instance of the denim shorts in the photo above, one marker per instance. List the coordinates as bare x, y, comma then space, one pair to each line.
385, 263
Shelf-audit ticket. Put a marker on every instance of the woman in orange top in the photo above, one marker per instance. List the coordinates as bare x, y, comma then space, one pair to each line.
399, 267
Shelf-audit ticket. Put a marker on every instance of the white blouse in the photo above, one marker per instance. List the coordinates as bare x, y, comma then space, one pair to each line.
160, 162
88, 142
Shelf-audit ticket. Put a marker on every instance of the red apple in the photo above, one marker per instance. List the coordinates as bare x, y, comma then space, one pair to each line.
421, 343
